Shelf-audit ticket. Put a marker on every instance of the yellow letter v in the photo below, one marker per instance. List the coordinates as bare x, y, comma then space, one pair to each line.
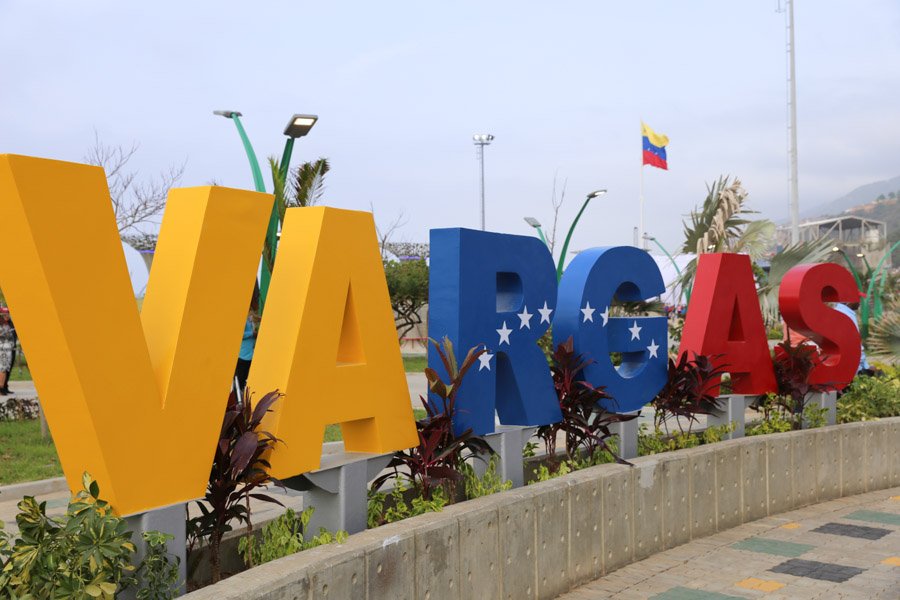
136, 400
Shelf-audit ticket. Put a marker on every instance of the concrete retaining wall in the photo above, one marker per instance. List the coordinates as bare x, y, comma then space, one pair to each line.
544, 539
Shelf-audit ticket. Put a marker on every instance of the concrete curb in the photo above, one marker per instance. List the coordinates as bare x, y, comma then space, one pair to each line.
34, 488
545, 539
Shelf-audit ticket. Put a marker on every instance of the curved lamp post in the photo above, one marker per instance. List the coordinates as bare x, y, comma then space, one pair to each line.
537, 225
853, 270
686, 292
298, 126
562, 255
864, 313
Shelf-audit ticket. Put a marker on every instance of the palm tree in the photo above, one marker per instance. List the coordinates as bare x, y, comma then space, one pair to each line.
306, 189
720, 224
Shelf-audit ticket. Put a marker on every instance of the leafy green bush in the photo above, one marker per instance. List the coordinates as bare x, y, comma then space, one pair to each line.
158, 575
389, 508
283, 536
86, 554
487, 484
868, 398
658, 441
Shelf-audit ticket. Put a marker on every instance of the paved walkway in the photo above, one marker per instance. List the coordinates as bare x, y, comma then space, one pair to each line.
847, 548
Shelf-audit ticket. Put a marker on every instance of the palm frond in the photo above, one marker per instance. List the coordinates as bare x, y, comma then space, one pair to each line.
309, 182
884, 336
718, 219
799, 254
755, 239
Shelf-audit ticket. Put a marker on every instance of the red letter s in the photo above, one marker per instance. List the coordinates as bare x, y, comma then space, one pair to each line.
804, 291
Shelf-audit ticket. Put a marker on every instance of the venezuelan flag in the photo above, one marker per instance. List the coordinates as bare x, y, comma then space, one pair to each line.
654, 147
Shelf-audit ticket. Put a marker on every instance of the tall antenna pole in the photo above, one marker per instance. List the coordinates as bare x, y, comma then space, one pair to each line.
792, 125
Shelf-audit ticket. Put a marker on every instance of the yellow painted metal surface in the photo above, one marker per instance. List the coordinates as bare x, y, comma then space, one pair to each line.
135, 399
329, 343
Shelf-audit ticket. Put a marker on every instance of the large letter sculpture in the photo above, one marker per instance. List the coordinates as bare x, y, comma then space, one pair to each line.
801, 297
120, 388
590, 284
328, 341
724, 322
496, 292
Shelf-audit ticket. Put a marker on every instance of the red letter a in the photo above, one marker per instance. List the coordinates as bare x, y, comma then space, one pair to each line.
724, 322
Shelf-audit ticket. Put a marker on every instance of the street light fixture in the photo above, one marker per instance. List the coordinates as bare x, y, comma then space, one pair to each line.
838, 250
562, 255
537, 225
298, 126
481, 140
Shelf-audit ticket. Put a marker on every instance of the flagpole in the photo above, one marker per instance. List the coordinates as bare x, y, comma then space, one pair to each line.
639, 241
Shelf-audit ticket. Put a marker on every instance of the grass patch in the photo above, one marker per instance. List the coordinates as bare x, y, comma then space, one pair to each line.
25, 456
333, 432
414, 363
411, 364
20, 373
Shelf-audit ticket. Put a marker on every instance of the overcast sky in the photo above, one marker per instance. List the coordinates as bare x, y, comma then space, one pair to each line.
400, 87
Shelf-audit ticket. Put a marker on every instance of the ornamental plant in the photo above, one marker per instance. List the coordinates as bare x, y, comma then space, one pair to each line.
436, 461
284, 536
584, 421
689, 391
86, 554
240, 467
793, 365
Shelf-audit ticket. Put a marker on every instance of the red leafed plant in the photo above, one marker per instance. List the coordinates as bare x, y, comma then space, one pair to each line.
691, 389
584, 421
436, 460
793, 366
239, 468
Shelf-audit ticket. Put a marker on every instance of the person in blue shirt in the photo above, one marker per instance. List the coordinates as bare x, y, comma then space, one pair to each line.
248, 344
850, 309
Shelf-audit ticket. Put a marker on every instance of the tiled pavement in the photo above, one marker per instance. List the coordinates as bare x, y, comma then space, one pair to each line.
846, 548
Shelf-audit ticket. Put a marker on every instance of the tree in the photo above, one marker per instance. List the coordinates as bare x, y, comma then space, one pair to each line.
880, 197
407, 282
135, 202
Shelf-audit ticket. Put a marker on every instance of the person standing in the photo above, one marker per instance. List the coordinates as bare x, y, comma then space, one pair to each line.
7, 349
248, 345
849, 309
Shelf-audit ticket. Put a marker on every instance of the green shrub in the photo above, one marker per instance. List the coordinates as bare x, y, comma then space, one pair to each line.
86, 554
543, 472
158, 575
658, 441
868, 398
487, 484
283, 536
397, 506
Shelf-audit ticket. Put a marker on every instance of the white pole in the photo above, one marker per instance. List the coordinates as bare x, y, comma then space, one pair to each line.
641, 242
792, 82
481, 160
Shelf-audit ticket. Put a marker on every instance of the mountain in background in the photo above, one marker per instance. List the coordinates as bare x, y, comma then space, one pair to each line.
864, 194
879, 201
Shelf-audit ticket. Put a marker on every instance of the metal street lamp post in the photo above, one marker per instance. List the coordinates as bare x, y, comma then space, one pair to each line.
853, 270
864, 314
686, 292
537, 225
481, 140
298, 126
562, 255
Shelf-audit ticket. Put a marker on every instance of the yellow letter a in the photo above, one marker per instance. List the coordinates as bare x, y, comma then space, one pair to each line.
136, 400
328, 342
